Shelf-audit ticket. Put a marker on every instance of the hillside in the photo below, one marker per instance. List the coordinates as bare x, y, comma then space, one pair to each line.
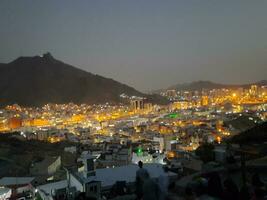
199, 85
243, 123
17, 154
34, 81
257, 134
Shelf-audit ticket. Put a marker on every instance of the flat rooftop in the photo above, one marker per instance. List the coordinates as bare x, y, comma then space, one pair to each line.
109, 176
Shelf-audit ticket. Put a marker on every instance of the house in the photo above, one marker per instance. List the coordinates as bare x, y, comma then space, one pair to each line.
48, 166
5, 193
94, 182
18, 185
51, 190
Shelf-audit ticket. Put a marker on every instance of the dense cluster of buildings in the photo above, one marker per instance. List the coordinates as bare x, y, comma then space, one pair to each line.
115, 137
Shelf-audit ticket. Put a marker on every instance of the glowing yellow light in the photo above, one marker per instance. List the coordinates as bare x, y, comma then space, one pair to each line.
170, 154
219, 139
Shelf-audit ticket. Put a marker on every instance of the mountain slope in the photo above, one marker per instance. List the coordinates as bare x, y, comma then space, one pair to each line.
256, 134
34, 81
199, 85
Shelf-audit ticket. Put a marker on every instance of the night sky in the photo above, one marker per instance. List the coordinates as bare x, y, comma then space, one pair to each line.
148, 44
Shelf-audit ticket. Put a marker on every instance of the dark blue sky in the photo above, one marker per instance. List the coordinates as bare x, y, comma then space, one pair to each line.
148, 44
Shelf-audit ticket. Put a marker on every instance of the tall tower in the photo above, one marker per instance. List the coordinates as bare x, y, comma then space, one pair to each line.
253, 90
137, 104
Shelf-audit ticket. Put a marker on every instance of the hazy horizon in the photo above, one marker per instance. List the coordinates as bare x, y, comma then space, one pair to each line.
147, 44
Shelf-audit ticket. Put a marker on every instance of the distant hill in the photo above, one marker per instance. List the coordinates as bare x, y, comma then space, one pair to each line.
199, 85
35, 81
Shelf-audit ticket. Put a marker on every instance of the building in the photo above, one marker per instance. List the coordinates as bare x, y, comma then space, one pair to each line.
3, 125
137, 104
14, 123
180, 105
171, 93
48, 166
5, 193
253, 90
148, 106
205, 101
53, 190
18, 185
94, 182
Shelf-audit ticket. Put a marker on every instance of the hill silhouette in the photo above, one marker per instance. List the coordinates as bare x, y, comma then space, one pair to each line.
35, 81
200, 85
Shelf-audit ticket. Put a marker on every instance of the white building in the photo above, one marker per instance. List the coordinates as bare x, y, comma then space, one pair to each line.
96, 181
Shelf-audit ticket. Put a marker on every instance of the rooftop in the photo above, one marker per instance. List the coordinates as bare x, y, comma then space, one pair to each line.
109, 176
15, 180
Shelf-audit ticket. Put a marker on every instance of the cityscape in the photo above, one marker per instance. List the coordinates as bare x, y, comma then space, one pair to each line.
67, 133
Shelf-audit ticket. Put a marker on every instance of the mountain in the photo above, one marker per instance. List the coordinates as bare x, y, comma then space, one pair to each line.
199, 85
38, 80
